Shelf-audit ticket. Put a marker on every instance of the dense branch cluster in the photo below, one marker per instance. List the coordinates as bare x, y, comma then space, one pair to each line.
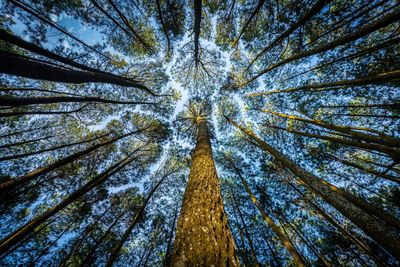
200, 133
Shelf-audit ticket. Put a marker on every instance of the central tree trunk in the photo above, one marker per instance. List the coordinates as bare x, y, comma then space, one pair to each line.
203, 237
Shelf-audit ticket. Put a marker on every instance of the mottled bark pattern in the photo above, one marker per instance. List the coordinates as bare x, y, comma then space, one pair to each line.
203, 237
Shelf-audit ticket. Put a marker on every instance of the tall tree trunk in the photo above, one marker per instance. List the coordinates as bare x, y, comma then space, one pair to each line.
12, 239
12, 39
356, 210
286, 242
379, 137
360, 245
8, 185
25, 101
367, 29
196, 29
260, 3
168, 256
246, 232
301, 21
203, 236
27, 67
362, 52
380, 78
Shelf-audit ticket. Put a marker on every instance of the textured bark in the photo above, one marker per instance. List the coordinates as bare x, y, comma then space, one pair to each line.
203, 236
12, 239
367, 29
301, 21
381, 228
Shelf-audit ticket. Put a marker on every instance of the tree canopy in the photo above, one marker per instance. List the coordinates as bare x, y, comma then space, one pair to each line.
214, 132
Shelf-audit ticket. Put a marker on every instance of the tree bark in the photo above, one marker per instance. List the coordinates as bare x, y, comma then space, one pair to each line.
27, 67
203, 236
356, 210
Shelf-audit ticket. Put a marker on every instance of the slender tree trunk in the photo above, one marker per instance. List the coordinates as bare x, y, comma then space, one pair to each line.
28, 154
24, 101
356, 210
246, 232
8, 185
160, 16
379, 78
118, 245
128, 24
27, 67
203, 237
363, 247
168, 256
27, 141
196, 29
393, 153
260, 3
362, 52
300, 22
89, 257
12, 239
366, 169
82, 236
379, 137
52, 24
367, 29
286, 242
12, 39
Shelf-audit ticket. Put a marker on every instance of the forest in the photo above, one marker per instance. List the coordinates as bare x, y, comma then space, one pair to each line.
200, 133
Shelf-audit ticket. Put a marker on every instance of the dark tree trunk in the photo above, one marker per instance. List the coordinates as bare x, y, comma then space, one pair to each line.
8, 185
356, 210
196, 29
253, 14
12, 239
203, 236
301, 21
24, 101
376, 25
139, 214
380, 78
286, 242
35, 69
